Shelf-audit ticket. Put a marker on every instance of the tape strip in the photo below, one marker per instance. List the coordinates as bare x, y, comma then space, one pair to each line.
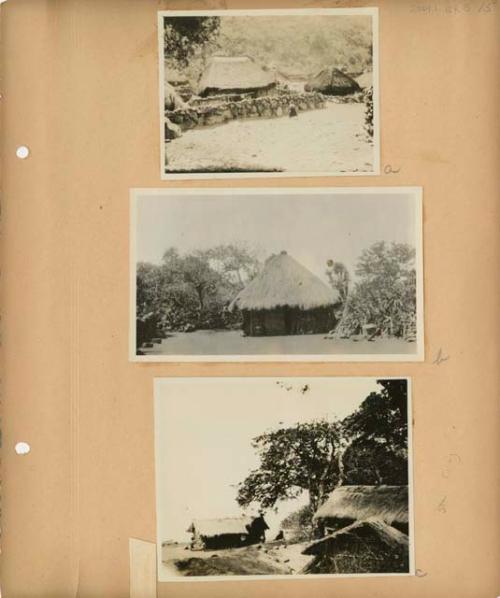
142, 568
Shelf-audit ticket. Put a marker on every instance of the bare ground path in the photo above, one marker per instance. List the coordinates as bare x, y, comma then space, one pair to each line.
232, 342
331, 139
273, 558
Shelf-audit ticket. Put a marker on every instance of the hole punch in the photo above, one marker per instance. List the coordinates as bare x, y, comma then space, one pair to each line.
22, 152
22, 448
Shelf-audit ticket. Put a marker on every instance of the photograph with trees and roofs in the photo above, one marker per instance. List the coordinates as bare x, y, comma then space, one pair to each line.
283, 476
272, 274
269, 91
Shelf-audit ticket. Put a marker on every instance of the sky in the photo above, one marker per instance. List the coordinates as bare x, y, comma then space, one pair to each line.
204, 428
311, 228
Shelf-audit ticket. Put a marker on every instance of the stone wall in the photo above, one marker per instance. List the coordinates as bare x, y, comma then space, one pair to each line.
264, 107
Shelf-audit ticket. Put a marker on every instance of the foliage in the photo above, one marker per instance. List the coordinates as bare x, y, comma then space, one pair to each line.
367, 447
386, 291
292, 460
300, 518
186, 36
378, 452
368, 99
338, 277
302, 45
192, 291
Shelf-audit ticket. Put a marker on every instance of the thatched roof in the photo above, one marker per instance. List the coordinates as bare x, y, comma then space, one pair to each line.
373, 533
285, 282
218, 527
332, 80
365, 80
234, 72
386, 503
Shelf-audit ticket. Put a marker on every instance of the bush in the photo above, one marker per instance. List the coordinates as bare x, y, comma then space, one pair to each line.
368, 99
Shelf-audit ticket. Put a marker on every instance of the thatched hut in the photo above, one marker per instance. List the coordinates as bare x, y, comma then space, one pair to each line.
363, 547
227, 532
293, 80
347, 504
235, 74
286, 298
333, 82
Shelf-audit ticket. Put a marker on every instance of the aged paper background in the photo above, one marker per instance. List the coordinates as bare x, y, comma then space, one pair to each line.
80, 88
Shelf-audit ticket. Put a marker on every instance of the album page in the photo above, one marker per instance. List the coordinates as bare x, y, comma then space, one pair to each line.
250, 298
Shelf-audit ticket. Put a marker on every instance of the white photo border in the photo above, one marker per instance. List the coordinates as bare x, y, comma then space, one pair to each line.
206, 381
141, 194
367, 11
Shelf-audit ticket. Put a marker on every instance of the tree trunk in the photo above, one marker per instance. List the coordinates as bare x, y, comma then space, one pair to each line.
199, 292
316, 526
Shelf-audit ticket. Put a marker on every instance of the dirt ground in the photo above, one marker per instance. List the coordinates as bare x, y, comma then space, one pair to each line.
232, 342
331, 139
272, 558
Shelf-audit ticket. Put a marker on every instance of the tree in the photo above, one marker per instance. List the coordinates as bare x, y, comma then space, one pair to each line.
237, 264
378, 429
368, 447
197, 273
185, 36
385, 292
193, 290
304, 457
148, 280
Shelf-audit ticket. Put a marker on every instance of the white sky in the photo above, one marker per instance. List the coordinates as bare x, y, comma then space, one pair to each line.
204, 428
311, 228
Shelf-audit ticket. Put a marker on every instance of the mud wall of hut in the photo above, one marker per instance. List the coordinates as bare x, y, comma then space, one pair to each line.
288, 320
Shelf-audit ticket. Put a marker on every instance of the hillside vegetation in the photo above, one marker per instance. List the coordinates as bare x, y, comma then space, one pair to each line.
295, 44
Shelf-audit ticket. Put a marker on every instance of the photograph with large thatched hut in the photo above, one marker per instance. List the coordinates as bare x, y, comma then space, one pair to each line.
269, 92
276, 274
315, 479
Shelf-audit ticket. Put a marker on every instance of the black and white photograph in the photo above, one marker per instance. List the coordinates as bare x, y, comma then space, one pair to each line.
276, 274
314, 479
269, 93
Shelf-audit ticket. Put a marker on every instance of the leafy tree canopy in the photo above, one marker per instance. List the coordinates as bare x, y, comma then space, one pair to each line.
367, 447
185, 36
194, 289
385, 291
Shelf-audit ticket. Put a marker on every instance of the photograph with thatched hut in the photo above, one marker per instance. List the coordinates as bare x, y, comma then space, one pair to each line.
269, 92
315, 479
276, 274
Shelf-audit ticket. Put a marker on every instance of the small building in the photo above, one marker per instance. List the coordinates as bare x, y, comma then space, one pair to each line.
333, 82
369, 546
286, 298
348, 504
227, 532
235, 74
294, 81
